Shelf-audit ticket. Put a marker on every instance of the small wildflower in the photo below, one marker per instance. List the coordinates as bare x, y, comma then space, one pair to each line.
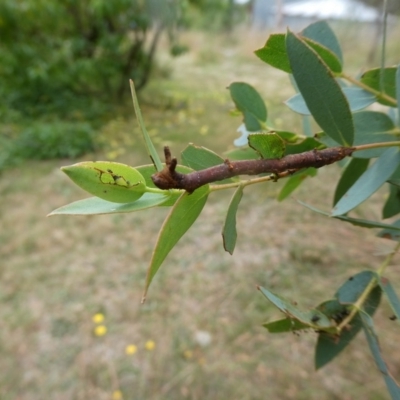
150, 345
203, 338
100, 330
204, 130
117, 395
98, 318
188, 354
131, 349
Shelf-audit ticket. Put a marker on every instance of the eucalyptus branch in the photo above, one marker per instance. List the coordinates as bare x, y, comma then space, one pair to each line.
169, 178
377, 93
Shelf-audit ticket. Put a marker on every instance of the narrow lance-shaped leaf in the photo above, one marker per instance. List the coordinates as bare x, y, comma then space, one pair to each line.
285, 325
294, 182
321, 92
149, 144
95, 205
373, 343
391, 295
181, 217
229, 233
369, 182
398, 94
392, 204
110, 181
364, 223
314, 318
350, 175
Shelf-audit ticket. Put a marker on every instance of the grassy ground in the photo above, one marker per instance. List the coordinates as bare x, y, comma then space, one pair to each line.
203, 314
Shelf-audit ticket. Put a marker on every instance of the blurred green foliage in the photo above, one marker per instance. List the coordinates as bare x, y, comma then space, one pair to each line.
45, 140
70, 60
53, 51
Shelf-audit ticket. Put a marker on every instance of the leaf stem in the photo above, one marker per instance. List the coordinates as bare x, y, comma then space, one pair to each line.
253, 181
160, 191
376, 145
377, 93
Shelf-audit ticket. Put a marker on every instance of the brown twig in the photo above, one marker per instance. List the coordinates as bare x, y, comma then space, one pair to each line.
169, 178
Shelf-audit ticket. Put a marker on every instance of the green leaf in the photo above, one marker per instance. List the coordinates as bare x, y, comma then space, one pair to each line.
372, 127
373, 343
353, 288
364, 223
391, 231
295, 181
395, 182
198, 158
369, 182
95, 205
391, 295
229, 233
350, 175
398, 94
285, 325
274, 53
329, 346
288, 137
313, 318
250, 103
356, 97
307, 144
181, 217
322, 33
149, 144
327, 56
392, 204
242, 154
268, 145
110, 181
321, 92
372, 79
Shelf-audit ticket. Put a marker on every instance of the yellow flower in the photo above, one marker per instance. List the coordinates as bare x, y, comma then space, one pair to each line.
130, 349
100, 330
117, 395
98, 318
188, 354
150, 345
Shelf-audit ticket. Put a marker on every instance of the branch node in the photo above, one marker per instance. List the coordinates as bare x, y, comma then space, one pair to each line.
228, 164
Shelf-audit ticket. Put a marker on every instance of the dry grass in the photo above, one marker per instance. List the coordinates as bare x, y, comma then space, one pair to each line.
58, 272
